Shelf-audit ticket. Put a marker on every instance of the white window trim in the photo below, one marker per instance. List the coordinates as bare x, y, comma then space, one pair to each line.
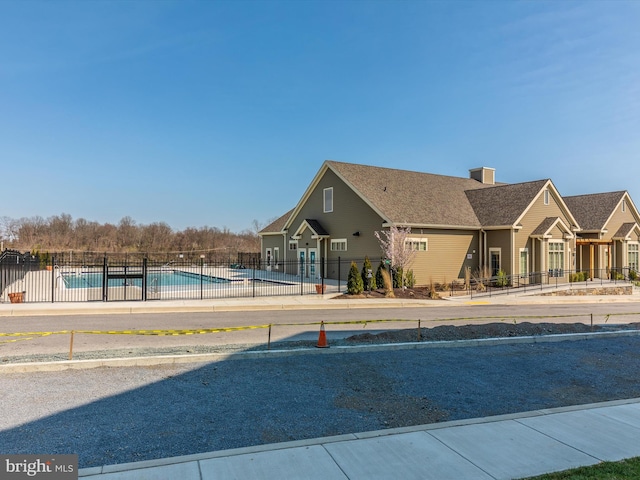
499, 251
563, 268
337, 241
546, 196
624, 205
417, 240
637, 252
325, 208
523, 250
294, 244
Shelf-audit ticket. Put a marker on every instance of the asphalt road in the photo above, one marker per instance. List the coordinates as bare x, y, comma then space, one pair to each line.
117, 415
306, 327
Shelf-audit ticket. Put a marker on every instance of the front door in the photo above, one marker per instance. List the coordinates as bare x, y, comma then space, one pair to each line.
313, 263
308, 263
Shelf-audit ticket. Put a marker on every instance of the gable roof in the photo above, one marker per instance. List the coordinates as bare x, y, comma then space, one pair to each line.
626, 229
548, 224
416, 199
403, 197
594, 210
503, 205
317, 230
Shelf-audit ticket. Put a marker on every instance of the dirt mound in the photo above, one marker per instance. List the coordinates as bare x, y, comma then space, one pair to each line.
489, 330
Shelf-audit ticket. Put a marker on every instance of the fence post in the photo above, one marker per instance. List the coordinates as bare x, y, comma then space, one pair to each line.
253, 281
105, 283
322, 274
53, 279
144, 279
201, 271
339, 277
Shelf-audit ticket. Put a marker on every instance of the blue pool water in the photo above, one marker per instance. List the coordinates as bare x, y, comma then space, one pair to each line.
154, 280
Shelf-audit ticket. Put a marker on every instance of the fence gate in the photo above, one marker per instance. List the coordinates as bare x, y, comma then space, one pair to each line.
123, 281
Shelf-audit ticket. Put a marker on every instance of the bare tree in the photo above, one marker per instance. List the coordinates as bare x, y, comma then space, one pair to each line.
59, 233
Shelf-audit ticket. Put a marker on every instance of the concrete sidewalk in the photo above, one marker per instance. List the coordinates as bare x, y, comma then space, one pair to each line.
503, 447
303, 302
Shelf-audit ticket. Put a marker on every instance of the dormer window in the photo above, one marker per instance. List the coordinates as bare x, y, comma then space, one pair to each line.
328, 200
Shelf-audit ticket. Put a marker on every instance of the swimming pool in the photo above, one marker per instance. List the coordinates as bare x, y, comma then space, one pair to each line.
155, 279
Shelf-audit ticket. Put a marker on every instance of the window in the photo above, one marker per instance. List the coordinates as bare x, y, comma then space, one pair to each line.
276, 255
556, 259
328, 200
339, 245
632, 256
293, 244
524, 262
546, 196
494, 260
624, 205
417, 244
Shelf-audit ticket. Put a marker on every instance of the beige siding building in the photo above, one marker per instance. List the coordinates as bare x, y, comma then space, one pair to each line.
456, 224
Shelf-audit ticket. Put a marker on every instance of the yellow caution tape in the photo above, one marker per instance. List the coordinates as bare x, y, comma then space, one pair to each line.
171, 332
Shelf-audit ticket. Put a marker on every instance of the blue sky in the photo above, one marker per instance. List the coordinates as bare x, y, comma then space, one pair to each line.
212, 113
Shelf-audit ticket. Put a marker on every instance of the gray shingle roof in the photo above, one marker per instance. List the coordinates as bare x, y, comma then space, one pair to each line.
624, 230
316, 227
414, 198
544, 226
592, 211
278, 224
503, 205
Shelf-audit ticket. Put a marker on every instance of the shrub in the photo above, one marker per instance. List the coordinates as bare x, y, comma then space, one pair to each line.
379, 279
410, 280
369, 283
397, 278
617, 276
578, 277
502, 279
633, 275
354, 281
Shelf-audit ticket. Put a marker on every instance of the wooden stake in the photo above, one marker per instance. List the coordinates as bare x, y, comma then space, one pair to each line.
71, 347
269, 339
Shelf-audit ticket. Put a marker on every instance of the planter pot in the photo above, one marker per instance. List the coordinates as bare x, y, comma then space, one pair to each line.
16, 297
49, 267
320, 288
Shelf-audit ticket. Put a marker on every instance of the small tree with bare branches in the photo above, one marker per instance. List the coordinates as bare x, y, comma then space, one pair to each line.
393, 243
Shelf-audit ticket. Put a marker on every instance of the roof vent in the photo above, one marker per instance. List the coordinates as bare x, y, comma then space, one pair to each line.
484, 175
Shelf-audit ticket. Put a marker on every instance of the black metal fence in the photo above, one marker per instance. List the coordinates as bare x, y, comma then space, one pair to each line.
86, 277
506, 284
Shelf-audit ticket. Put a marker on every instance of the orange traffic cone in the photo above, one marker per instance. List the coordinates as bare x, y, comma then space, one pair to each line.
322, 338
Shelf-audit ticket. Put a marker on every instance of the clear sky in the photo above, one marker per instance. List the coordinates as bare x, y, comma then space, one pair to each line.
216, 113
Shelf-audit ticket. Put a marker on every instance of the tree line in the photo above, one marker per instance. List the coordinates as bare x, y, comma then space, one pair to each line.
62, 233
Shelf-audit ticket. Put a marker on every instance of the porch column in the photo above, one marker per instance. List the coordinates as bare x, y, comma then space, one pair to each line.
591, 260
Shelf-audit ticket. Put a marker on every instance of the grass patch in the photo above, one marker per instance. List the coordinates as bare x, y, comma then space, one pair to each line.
623, 470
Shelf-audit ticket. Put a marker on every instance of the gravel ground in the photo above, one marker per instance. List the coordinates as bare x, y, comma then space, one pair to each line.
117, 415
440, 333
